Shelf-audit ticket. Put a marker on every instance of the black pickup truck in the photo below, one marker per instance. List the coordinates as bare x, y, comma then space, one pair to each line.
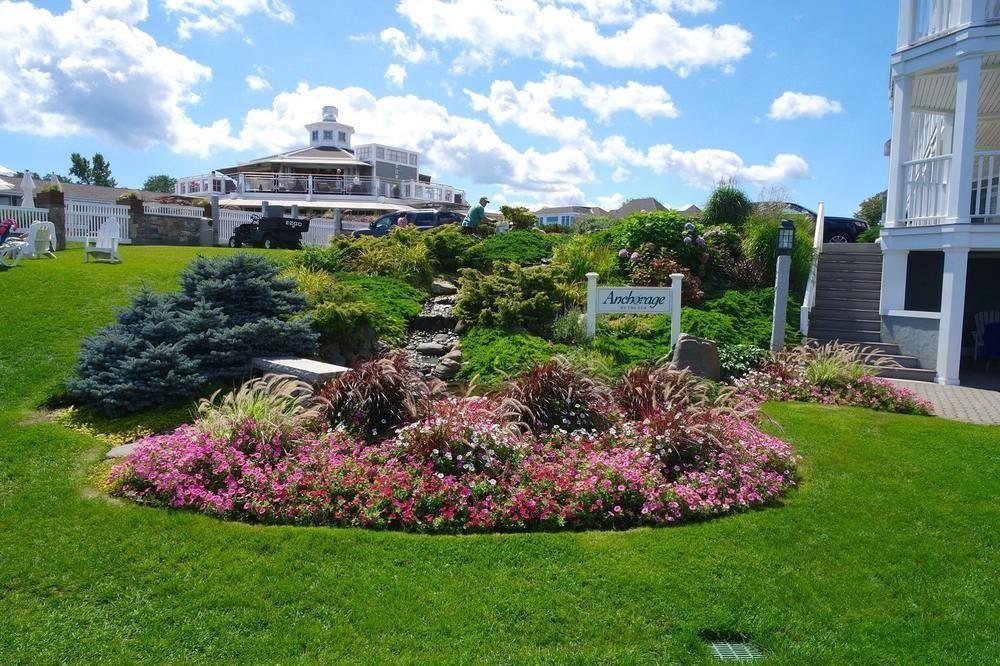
270, 232
421, 219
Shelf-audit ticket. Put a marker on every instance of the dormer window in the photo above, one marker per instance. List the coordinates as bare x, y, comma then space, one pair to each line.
315, 135
328, 135
342, 137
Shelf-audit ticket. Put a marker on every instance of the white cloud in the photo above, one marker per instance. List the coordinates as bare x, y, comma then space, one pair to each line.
402, 46
704, 167
611, 202
530, 107
90, 70
566, 32
257, 81
621, 174
395, 75
792, 105
216, 16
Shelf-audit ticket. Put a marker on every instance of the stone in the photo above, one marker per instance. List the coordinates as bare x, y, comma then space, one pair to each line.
443, 287
123, 451
698, 355
447, 368
459, 328
433, 349
308, 370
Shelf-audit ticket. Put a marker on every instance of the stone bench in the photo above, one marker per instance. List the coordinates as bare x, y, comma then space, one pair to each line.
308, 370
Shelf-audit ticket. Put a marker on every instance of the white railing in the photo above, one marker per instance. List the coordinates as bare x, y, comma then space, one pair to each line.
985, 183
154, 208
230, 219
933, 17
809, 300
311, 185
24, 216
992, 9
925, 183
84, 219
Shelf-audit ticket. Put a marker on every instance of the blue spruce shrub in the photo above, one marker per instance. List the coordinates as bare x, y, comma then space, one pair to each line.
164, 347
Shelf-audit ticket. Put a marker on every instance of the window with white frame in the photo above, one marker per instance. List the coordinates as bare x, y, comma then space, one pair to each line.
328, 135
379, 153
413, 159
315, 135
342, 137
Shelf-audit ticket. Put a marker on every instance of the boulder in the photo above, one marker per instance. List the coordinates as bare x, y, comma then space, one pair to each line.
443, 287
123, 451
447, 368
459, 327
433, 349
698, 355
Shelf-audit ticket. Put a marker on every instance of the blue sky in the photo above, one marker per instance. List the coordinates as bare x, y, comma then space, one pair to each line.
527, 101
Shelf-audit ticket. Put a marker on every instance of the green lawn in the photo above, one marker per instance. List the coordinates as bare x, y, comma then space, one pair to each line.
887, 553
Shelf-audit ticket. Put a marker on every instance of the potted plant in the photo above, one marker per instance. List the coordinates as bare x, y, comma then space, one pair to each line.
50, 196
133, 201
206, 206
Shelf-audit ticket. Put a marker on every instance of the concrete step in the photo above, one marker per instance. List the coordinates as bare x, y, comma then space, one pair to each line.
843, 335
828, 311
870, 347
851, 248
912, 374
896, 360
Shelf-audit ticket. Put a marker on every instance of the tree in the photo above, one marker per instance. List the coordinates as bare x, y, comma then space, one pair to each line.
519, 217
870, 210
160, 183
80, 168
100, 172
96, 171
728, 205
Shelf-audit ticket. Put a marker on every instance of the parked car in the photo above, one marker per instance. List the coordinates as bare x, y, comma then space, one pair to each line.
421, 219
835, 229
270, 232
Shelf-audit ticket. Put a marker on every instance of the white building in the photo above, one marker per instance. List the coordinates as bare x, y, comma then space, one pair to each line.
567, 215
941, 241
327, 174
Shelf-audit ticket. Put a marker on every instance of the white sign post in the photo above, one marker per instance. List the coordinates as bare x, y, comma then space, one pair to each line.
635, 300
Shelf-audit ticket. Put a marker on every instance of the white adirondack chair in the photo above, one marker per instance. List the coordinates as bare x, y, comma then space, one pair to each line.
10, 253
41, 241
983, 319
103, 247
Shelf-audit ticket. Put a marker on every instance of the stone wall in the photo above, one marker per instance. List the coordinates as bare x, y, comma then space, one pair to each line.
916, 336
147, 229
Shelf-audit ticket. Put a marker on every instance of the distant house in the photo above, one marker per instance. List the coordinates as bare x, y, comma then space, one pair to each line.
649, 204
10, 190
567, 215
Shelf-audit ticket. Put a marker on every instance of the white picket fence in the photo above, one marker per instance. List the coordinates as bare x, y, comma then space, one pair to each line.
230, 219
154, 208
320, 231
24, 216
84, 219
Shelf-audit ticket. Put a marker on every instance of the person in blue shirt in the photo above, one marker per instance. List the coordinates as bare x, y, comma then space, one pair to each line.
475, 215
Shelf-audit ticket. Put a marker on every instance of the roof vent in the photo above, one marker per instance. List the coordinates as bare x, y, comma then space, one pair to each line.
330, 113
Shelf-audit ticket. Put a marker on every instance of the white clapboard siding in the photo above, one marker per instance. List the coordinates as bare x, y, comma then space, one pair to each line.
154, 208
24, 216
84, 219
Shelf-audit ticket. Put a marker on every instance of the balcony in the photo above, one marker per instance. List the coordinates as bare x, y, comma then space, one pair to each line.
926, 186
923, 20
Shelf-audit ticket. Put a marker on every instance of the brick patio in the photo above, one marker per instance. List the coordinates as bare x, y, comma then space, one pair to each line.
959, 403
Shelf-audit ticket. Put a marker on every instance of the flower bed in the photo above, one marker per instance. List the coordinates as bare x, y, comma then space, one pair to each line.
462, 468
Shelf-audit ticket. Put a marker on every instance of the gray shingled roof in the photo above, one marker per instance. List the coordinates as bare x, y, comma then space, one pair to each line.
77, 191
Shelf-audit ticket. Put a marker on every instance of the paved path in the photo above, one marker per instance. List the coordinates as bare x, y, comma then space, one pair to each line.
959, 403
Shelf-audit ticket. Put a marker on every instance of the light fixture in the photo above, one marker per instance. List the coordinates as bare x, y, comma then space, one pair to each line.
786, 238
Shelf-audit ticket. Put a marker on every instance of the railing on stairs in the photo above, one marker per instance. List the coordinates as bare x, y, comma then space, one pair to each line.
809, 300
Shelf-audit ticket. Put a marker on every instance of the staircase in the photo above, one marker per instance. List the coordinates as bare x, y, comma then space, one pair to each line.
848, 284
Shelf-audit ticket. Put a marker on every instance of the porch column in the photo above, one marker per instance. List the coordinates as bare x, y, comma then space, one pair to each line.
964, 140
893, 280
899, 150
905, 23
949, 354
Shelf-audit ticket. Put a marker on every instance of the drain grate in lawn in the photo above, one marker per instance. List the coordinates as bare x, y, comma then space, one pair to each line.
730, 651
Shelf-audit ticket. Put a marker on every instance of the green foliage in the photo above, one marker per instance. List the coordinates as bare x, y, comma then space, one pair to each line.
492, 355
760, 244
869, 235
396, 302
520, 218
750, 312
739, 359
570, 328
715, 326
165, 347
661, 228
584, 253
525, 248
160, 183
331, 258
510, 297
587, 225
447, 245
401, 254
632, 339
80, 168
729, 205
129, 196
100, 172
870, 210
274, 405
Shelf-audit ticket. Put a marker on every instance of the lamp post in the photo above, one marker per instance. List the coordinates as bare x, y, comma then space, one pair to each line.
786, 241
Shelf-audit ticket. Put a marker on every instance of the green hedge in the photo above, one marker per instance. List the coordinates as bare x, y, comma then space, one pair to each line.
492, 355
525, 248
